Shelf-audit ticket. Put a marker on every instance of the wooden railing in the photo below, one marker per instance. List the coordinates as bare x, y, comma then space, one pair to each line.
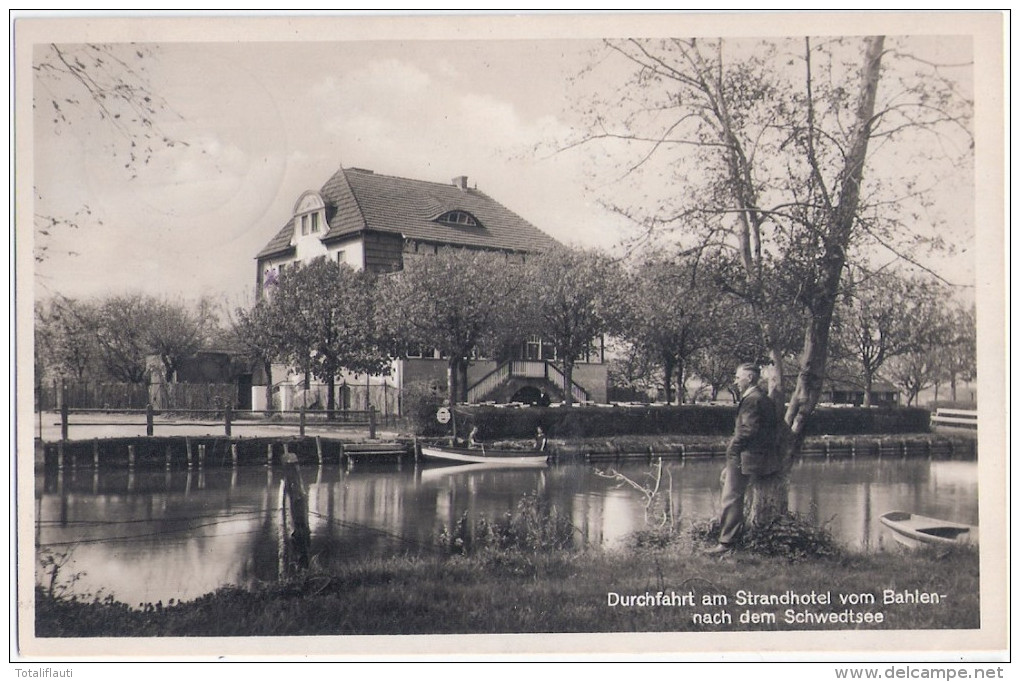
943, 416
530, 369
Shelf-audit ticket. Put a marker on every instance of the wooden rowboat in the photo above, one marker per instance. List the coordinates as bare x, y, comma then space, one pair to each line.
484, 456
913, 530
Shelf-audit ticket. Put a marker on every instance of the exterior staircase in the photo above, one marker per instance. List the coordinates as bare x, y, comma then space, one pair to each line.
523, 372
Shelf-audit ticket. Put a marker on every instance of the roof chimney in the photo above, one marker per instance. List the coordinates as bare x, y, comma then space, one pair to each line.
461, 182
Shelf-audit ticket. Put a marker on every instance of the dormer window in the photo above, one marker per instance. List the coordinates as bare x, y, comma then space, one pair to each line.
309, 214
458, 218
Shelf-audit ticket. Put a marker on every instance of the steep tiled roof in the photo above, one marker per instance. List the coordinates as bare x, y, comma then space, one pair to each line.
358, 199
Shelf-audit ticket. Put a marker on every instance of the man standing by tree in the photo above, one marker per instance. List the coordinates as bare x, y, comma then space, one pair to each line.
750, 454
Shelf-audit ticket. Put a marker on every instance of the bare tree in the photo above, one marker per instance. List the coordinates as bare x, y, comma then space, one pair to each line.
82, 86
768, 146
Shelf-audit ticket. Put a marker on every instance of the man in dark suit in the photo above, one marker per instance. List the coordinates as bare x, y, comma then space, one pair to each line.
750, 454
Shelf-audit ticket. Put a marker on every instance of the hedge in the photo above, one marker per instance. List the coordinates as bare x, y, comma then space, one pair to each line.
700, 420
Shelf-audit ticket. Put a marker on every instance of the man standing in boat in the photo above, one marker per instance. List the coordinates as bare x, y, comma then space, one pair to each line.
750, 453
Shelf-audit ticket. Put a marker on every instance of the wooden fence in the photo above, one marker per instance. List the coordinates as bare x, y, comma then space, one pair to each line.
96, 395
225, 418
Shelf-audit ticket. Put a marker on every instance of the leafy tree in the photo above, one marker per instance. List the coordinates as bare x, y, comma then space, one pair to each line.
886, 315
670, 315
324, 314
258, 331
913, 372
65, 338
453, 301
122, 334
175, 332
774, 147
574, 298
956, 357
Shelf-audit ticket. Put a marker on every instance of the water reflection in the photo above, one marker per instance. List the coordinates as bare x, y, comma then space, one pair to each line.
148, 536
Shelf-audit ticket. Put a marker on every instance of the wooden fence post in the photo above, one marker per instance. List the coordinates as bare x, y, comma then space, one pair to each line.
148, 419
371, 421
227, 419
295, 490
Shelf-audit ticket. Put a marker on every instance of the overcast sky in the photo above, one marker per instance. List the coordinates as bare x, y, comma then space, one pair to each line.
266, 121
267, 118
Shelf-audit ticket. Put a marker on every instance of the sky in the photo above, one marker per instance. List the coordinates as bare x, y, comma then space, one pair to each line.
267, 117
264, 122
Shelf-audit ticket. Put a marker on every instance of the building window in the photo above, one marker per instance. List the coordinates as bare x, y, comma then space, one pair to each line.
315, 222
458, 218
341, 257
304, 224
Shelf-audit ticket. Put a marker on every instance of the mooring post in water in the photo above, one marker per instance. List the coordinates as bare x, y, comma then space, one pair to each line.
318, 449
417, 449
187, 447
227, 418
148, 419
60, 454
295, 489
269, 454
201, 455
301, 421
233, 454
131, 456
95, 453
168, 455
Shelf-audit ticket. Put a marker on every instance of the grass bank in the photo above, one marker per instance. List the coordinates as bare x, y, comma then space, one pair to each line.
563, 591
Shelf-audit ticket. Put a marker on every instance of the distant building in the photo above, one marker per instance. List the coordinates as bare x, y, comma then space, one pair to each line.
376, 222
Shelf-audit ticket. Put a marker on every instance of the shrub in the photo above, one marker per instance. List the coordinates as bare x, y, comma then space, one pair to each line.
790, 536
693, 420
420, 401
533, 526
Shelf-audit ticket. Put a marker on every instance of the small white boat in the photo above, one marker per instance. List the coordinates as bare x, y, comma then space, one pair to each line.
913, 530
441, 472
484, 455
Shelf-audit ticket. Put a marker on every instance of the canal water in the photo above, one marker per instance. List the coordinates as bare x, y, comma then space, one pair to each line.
148, 535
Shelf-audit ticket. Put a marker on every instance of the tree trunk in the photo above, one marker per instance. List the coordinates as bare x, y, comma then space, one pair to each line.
770, 496
268, 367
330, 396
463, 383
451, 381
681, 393
667, 372
568, 382
868, 381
